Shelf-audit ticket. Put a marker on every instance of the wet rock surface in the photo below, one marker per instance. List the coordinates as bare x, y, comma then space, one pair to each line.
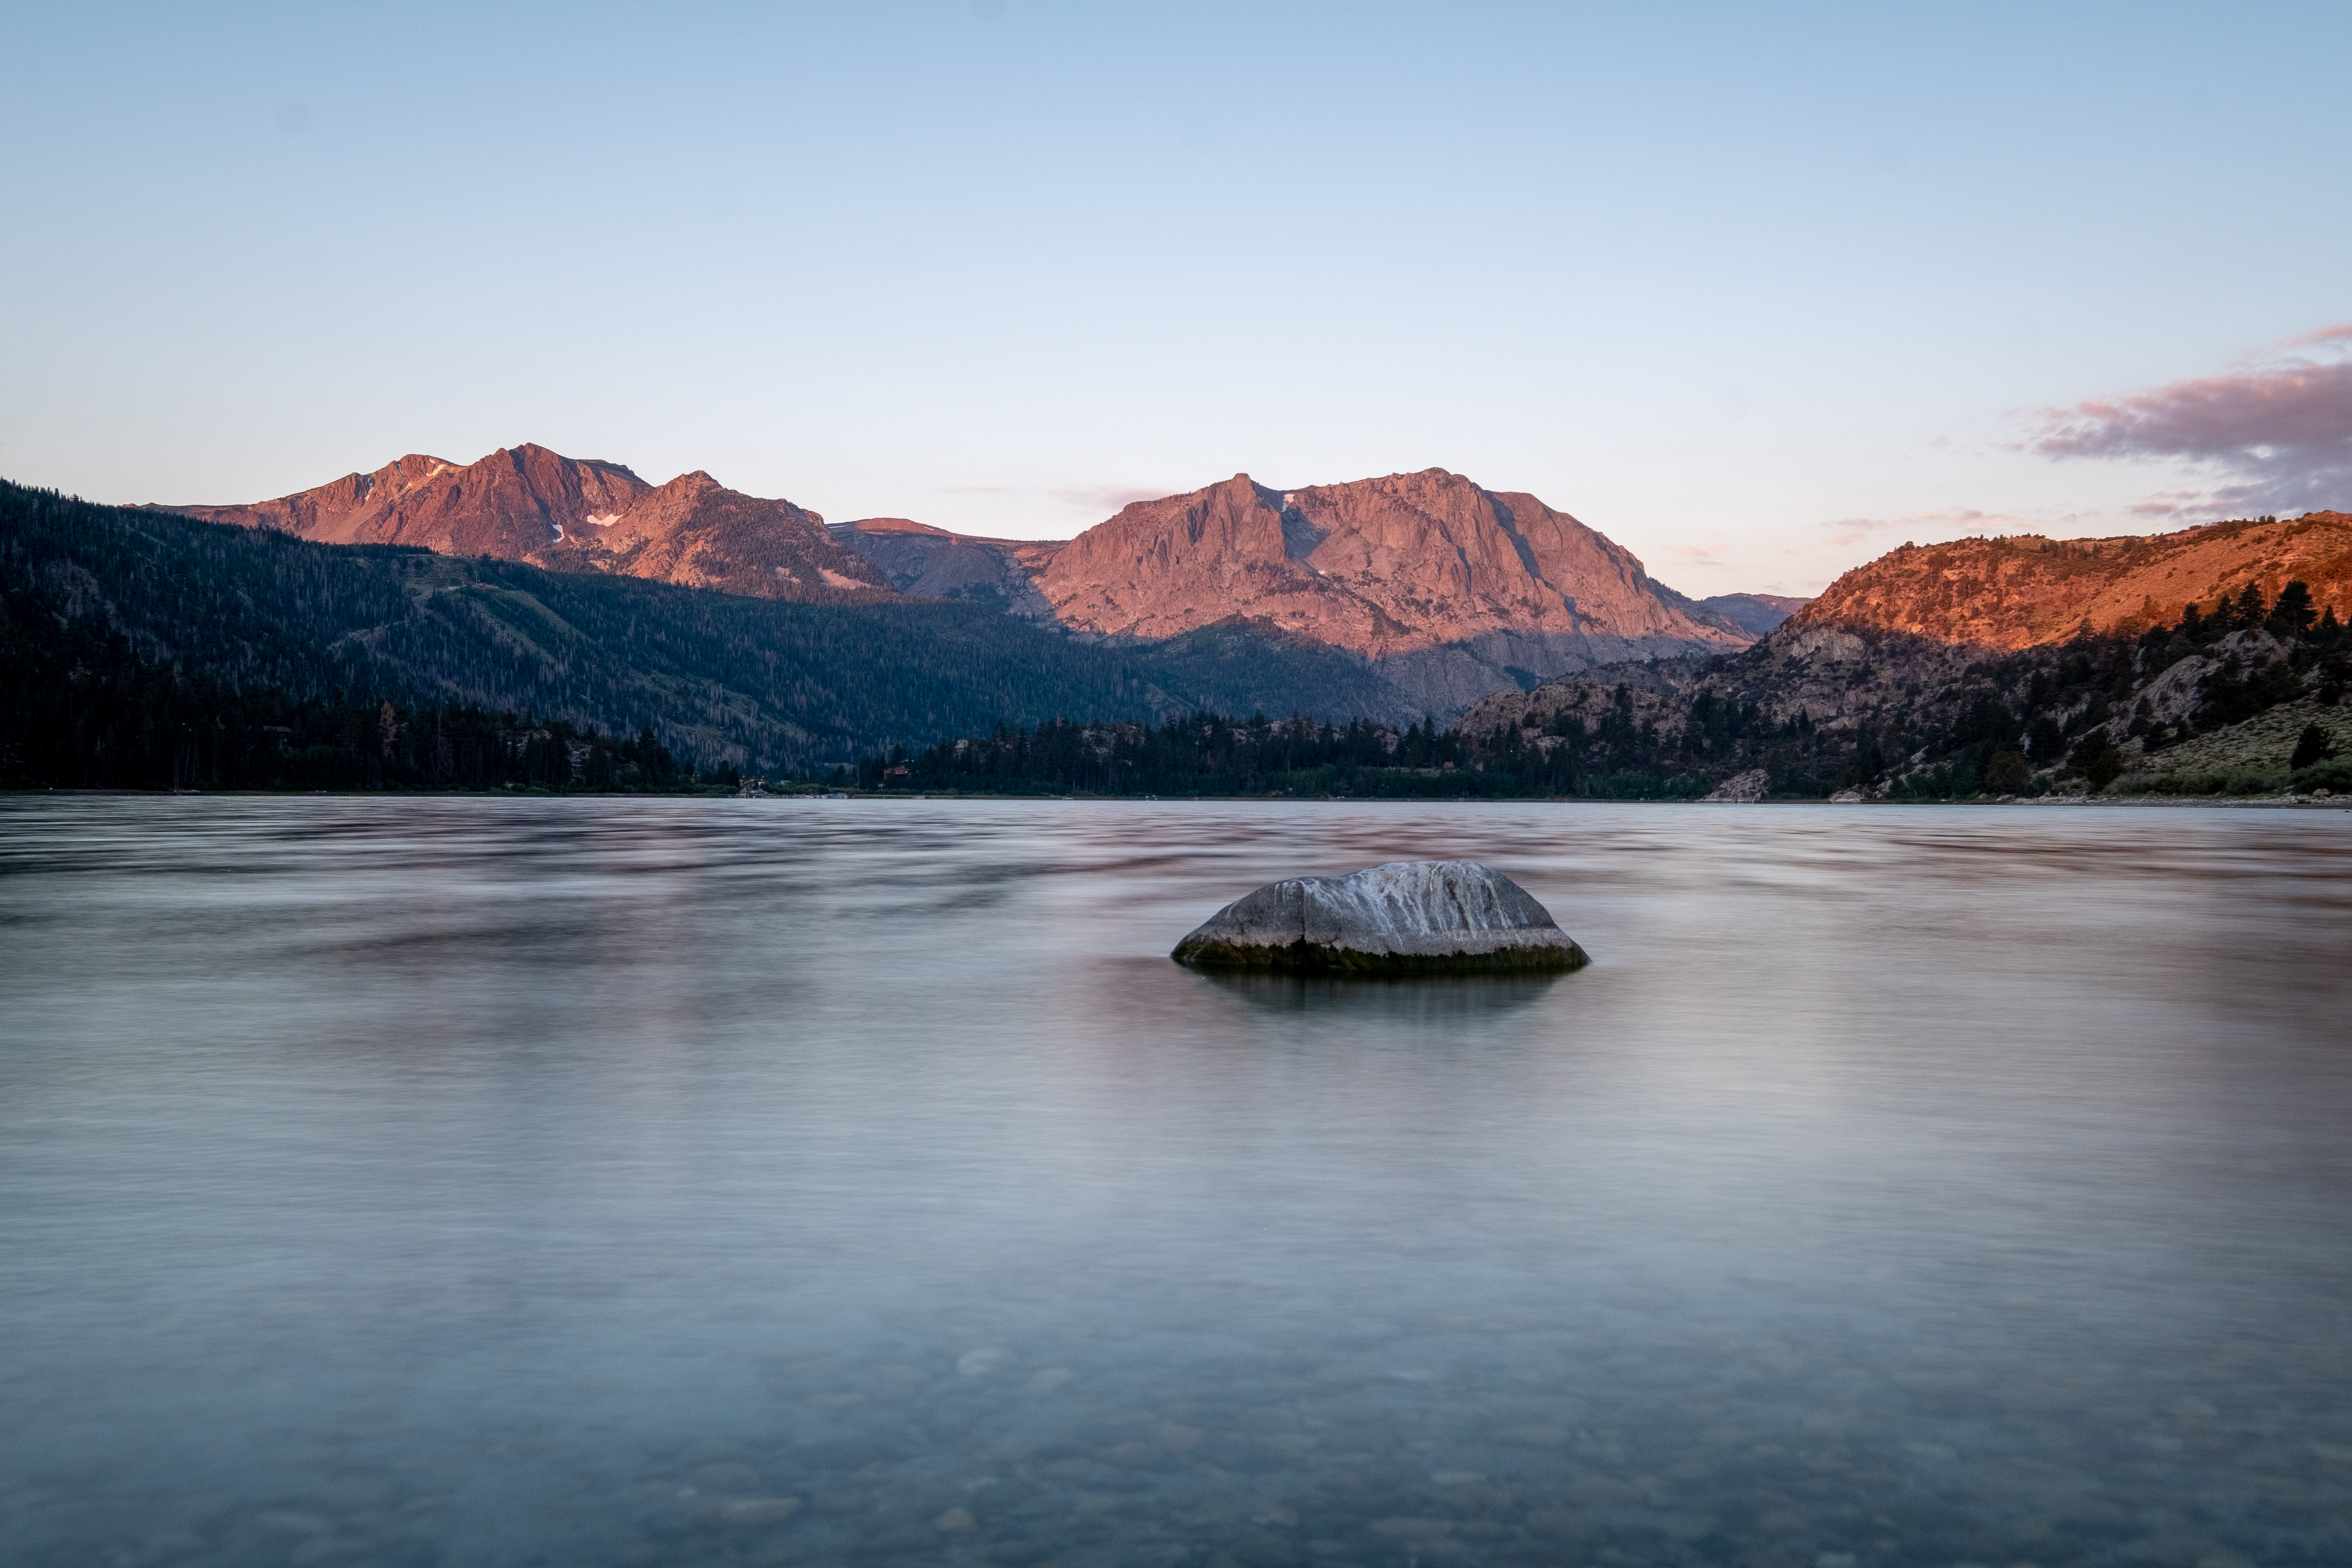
1404, 917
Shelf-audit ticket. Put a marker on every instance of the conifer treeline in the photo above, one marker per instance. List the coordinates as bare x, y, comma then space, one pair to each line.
1618, 758
2003, 729
123, 724
1205, 754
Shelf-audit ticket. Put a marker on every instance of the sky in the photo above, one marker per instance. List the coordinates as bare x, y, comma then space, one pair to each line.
1759, 293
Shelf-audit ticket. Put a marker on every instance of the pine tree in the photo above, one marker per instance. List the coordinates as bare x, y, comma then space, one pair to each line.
2293, 607
2007, 774
2098, 758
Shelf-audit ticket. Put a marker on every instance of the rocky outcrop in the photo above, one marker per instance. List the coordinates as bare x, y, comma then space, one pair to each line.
2025, 592
1740, 789
1405, 917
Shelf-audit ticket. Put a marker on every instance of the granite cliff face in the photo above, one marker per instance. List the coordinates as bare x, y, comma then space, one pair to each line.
1452, 590
1381, 566
528, 503
2025, 592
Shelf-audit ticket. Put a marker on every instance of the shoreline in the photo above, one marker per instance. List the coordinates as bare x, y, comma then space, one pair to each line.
2169, 803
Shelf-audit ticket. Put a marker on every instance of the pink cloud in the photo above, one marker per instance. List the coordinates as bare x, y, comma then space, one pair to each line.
2278, 434
2324, 336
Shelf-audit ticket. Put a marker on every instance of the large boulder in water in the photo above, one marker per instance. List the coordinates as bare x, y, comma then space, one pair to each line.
1408, 917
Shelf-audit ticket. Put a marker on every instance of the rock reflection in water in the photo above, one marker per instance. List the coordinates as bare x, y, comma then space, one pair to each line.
1427, 1005
453, 1181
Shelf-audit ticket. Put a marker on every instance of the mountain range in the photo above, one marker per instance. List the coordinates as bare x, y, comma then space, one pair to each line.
1442, 589
562, 587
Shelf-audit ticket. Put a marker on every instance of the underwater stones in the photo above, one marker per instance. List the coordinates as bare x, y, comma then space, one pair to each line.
1408, 917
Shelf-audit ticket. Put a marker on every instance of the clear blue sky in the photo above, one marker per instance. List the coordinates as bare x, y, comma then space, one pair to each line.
1759, 291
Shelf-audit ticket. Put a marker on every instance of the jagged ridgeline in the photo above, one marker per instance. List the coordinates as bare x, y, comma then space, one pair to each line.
145, 649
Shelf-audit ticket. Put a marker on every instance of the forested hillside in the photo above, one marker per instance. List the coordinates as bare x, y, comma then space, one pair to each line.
114, 621
2244, 698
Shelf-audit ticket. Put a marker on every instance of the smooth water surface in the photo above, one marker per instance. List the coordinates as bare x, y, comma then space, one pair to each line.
619, 1182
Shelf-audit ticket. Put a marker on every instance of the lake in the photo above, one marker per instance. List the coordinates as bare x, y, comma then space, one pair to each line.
587, 1182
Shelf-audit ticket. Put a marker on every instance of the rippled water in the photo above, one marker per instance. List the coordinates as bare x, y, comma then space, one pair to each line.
501, 1182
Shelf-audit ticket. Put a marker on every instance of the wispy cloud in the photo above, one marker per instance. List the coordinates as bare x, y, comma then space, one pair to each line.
1103, 499
2276, 434
1109, 499
1846, 531
2324, 336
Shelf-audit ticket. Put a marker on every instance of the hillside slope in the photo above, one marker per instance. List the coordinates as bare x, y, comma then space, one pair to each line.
1813, 708
2026, 591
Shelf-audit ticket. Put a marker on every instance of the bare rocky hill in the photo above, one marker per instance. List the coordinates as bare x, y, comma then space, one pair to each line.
2026, 591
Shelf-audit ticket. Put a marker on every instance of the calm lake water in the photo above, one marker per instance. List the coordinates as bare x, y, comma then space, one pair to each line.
697, 1182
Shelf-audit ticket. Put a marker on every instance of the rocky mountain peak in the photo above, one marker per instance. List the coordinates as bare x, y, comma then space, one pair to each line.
529, 502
